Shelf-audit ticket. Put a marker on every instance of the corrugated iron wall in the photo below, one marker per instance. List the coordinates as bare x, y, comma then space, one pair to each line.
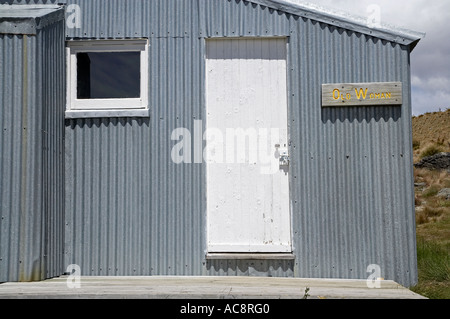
353, 196
130, 210
32, 154
351, 174
20, 178
51, 73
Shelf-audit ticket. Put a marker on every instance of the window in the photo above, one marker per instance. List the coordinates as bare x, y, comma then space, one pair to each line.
107, 78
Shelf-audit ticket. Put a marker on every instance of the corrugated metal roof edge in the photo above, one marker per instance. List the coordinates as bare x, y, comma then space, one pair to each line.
347, 21
28, 19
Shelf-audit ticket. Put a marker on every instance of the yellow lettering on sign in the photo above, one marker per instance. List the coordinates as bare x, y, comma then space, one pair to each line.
380, 96
336, 97
361, 93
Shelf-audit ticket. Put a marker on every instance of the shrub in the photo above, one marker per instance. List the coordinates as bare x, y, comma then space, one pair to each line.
447, 183
433, 190
416, 144
417, 201
428, 214
430, 151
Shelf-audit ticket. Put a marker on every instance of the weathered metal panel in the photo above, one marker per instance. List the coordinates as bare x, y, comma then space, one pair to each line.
134, 19
51, 76
234, 23
32, 2
345, 21
351, 182
20, 173
235, 18
31, 154
353, 196
131, 211
243, 267
19, 19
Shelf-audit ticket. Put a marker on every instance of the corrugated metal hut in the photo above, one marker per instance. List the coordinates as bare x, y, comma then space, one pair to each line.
219, 137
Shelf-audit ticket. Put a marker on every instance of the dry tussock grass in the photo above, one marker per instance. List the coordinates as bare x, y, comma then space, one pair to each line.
429, 207
431, 132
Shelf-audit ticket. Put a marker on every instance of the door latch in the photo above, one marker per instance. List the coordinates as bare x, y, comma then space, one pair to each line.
284, 158
283, 155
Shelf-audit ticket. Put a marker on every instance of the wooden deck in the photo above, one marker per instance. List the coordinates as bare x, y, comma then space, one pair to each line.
203, 288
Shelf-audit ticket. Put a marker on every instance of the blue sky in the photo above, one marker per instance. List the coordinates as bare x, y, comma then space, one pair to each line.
430, 60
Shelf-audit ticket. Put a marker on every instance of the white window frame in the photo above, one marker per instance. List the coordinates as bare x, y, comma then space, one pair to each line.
126, 107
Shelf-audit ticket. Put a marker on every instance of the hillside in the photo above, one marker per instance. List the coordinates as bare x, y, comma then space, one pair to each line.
431, 135
431, 132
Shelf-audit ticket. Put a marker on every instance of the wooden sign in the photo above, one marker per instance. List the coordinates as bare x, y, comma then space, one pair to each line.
362, 94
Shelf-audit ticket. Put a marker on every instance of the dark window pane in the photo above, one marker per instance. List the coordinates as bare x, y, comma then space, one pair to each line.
108, 75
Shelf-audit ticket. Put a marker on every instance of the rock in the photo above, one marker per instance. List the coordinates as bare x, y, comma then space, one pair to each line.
445, 193
420, 184
439, 161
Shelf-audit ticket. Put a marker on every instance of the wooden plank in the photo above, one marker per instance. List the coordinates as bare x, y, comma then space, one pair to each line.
362, 94
240, 287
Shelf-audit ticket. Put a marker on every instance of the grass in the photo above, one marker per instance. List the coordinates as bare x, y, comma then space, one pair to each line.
434, 270
433, 235
428, 214
435, 261
431, 135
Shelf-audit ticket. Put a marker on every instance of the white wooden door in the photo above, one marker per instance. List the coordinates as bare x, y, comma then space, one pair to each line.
247, 189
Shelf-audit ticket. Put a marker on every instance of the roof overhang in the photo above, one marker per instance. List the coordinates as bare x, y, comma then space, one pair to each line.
346, 21
28, 19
